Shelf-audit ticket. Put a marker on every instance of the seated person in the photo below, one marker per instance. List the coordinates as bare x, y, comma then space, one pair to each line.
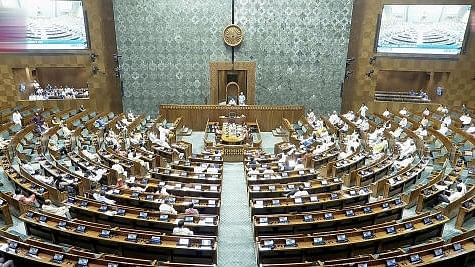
386, 113
449, 197
167, 207
426, 112
299, 193
299, 166
232, 102
44, 179
403, 111
403, 123
466, 120
191, 210
162, 190
268, 170
31, 200
121, 184
443, 129
253, 170
447, 120
55, 121
101, 197
181, 229
60, 211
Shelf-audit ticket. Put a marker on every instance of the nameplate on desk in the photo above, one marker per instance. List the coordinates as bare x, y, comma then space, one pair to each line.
298, 200
301, 172
213, 188
271, 188
211, 202
285, 174
183, 242
263, 220
256, 188
177, 185
306, 185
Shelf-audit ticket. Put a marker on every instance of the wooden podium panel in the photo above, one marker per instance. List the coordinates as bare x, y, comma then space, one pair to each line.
196, 116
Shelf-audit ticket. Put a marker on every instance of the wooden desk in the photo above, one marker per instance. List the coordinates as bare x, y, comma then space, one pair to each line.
195, 116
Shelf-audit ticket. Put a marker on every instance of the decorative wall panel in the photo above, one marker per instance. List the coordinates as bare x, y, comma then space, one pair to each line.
300, 49
166, 47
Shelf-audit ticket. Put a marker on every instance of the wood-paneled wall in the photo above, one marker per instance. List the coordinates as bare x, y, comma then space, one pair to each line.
104, 86
196, 116
459, 87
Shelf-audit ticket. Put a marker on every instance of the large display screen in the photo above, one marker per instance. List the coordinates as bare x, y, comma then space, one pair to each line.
423, 29
42, 25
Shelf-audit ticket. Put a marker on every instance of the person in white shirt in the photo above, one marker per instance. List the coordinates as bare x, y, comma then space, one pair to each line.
447, 120
466, 120
42, 178
403, 111
242, 99
445, 110
443, 129
300, 193
269, 170
363, 110
162, 190
167, 207
181, 229
364, 126
16, 117
421, 132
62, 211
344, 128
334, 119
232, 102
386, 113
471, 129
101, 197
424, 122
403, 123
426, 112
299, 166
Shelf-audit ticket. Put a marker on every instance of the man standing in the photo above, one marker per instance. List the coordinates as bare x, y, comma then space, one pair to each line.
16, 117
242, 99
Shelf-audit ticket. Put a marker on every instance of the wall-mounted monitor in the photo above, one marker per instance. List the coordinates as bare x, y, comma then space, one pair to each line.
35, 25
423, 29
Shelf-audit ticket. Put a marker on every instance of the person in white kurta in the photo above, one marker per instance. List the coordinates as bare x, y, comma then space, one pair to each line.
16, 117
363, 110
242, 99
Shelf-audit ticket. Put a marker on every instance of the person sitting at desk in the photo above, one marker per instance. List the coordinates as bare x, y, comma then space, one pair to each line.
334, 118
16, 117
403, 123
62, 211
309, 141
299, 166
82, 108
403, 111
44, 179
253, 170
232, 102
443, 129
55, 121
449, 197
311, 118
31, 200
121, 184
447, 120
162, 190
191, 210
167, 207
300, 193
101, 197
39, 121
466, 120
386, 113
181, 229
268, 170
426, 112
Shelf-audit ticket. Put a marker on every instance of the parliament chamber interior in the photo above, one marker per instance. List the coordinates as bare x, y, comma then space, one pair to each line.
264, 133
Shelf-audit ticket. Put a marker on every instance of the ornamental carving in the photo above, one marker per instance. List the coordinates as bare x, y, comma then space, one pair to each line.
233, 35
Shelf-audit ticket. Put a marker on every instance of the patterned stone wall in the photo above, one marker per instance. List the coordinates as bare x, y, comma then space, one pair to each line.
166, 47
299, 47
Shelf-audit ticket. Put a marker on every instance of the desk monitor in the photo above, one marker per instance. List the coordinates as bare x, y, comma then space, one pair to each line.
427, 220
188, 219
80, 228
144, 215
263, 220
328, 216
415, 258
391, 230
341, 238
391, 263
349, 213
457, 246
368, 234
105, 233
62, 224
33, 251
318, 241
155, 240
308, 218
58, 258
82, 262
120, 211
290, 243
283, 220
132, 237
268, 243
206, 243
43, 219
438, 252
